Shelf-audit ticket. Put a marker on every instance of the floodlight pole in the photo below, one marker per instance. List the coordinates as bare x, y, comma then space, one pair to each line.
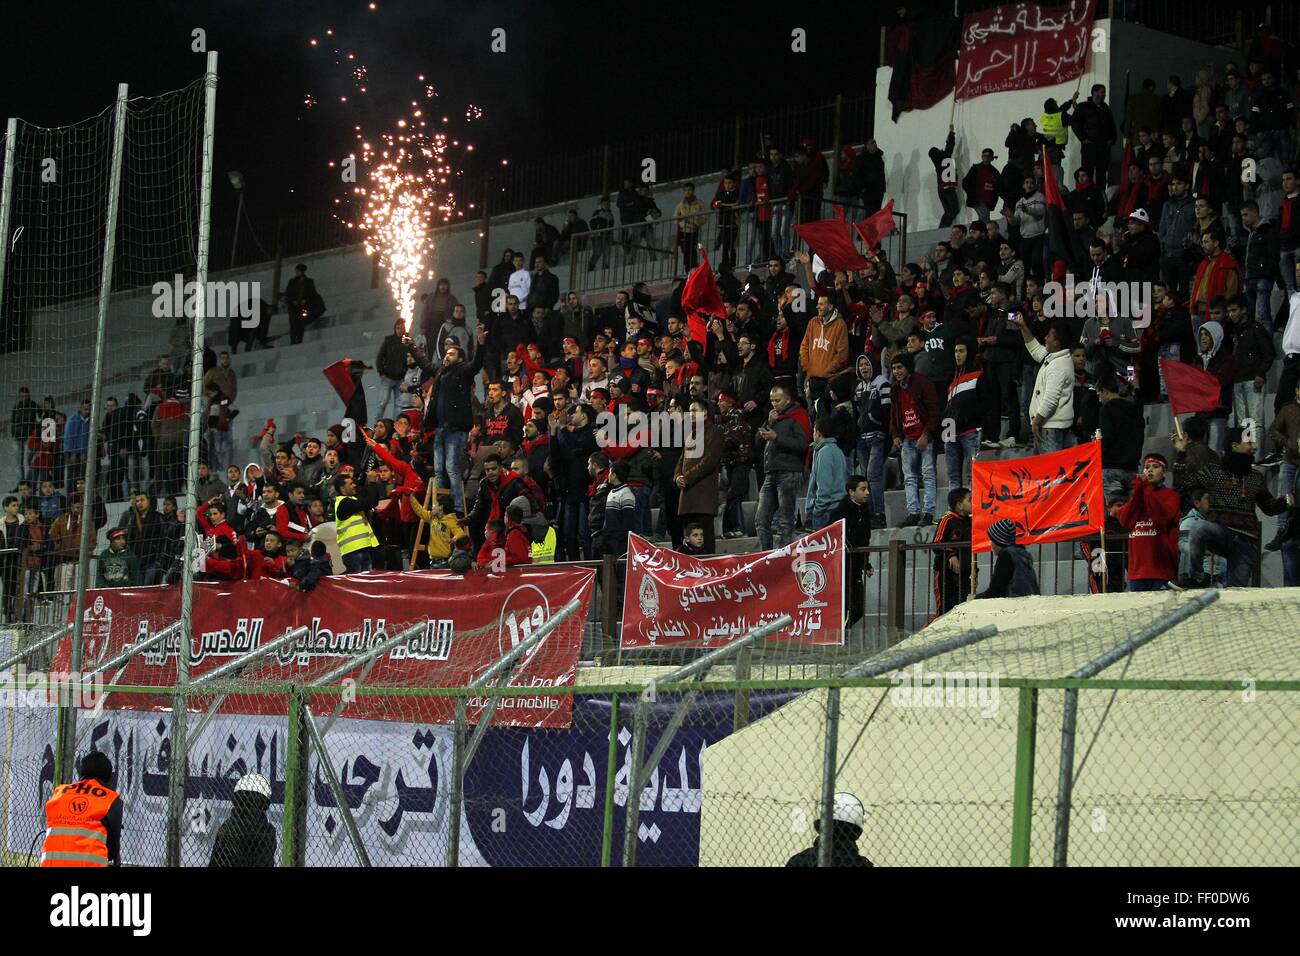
86, 540
179, 743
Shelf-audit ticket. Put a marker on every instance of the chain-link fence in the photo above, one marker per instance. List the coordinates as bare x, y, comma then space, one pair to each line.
1182, 747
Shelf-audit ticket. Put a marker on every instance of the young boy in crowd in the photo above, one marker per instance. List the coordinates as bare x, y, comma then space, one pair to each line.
693, 540
952, 566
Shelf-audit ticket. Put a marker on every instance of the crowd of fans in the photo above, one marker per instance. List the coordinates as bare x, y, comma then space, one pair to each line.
808, 384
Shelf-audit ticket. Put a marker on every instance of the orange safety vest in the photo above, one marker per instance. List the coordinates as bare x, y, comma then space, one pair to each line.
75, 834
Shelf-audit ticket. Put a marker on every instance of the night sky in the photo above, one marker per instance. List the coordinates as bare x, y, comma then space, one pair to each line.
572, 78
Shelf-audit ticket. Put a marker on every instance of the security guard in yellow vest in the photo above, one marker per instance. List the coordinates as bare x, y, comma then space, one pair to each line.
352, 531
541, 535
1054, 127
84, 819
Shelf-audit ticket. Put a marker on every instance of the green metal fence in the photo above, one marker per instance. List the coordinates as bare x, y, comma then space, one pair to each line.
953, 758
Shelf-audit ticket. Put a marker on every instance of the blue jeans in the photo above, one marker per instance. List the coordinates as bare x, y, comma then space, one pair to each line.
1027, 376
1054, 439
1286, 475
575, 528
390, 390
871, 461
1287, 262
1147, 584
918, 467
642, 495
1291, 563
449, 460
816, 520
1258, 294
1238, 550
1218, 431
222, 445
358, 561
774, 519
960, 455
780, 229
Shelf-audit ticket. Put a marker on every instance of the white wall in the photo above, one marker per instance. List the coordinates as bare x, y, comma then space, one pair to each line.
985, 120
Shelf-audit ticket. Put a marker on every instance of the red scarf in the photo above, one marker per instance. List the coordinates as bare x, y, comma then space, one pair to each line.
784, 335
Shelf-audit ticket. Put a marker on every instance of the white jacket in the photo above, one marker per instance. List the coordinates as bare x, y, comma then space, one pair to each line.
1291, 334
520, 284
1053, 387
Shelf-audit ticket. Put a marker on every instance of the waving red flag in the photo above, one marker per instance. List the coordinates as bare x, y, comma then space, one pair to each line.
700, 294
1052, 497
829, 239
339, 374
1190, 389
876, 226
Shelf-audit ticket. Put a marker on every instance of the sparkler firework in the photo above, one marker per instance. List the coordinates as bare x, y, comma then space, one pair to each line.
403, 183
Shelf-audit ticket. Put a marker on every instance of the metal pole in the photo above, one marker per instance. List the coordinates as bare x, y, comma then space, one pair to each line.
279, 264
331, 676
838, 141
40, 645
825, 838
1065, 777
604, 171
130, 651
1022, 813
635, 783
180, 748
86, 541
6, 201
459, 725
611, 773
234, 241
487, 223
294, 781
336, 788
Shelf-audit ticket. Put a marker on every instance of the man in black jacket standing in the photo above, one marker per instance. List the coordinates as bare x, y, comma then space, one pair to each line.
247, 838
1095, 124
448, 414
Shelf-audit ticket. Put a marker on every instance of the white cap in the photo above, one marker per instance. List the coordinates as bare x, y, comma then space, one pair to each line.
256, 783
1140, 215
848, 809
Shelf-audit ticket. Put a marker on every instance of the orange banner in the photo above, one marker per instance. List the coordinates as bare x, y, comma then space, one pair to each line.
1052, 497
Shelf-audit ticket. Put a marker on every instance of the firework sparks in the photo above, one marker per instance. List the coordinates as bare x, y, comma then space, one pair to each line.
405, 184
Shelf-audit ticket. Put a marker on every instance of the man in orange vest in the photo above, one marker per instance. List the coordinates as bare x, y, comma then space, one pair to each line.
84, 819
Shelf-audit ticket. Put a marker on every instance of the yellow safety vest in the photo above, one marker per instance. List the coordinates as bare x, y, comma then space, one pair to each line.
1053, 127
543, 552
353, 534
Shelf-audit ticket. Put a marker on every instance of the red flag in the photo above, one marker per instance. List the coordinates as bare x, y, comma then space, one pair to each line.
829, 239
700, 294
1052, 497
339, 375
876, 226
1190, 389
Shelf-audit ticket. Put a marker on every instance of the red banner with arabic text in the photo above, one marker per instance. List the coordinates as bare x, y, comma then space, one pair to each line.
1023, 46
469, 622
678, 600
1052, 497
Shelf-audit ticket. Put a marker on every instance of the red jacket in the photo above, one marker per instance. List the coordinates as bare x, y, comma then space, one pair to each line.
518, 548
410, 483
1151, 518
290, 525
924, 400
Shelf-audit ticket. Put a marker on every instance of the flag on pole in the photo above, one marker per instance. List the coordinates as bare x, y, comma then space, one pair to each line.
876, 226
701, 295
1052, 497
1060, 230
339, 374
1190, 389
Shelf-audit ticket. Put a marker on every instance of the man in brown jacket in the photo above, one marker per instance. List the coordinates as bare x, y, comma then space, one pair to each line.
824, 351
65, 543
696, 473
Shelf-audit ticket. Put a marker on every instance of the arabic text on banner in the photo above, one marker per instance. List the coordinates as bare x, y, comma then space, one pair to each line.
469, 622
673, 599
1023, 46
1052, 497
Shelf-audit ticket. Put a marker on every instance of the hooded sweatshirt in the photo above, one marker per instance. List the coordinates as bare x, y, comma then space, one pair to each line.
1218, 363
871, 396
824, 350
